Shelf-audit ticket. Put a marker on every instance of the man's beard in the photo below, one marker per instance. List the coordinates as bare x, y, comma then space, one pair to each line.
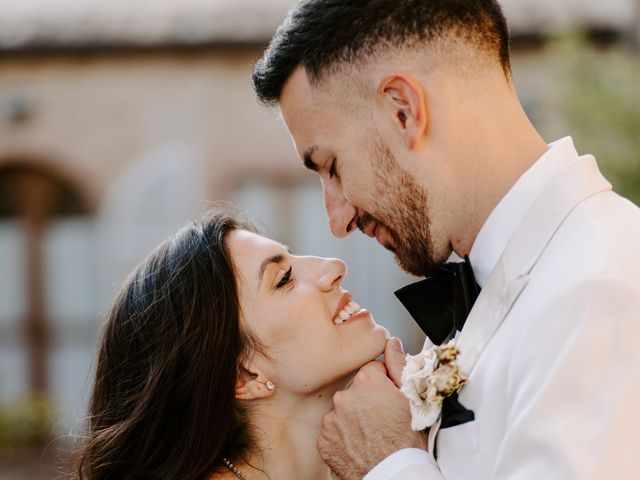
402, 210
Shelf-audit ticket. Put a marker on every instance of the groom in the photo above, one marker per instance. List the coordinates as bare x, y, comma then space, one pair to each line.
407, 111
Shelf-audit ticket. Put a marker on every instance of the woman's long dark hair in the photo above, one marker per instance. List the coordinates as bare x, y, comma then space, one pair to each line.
163, 402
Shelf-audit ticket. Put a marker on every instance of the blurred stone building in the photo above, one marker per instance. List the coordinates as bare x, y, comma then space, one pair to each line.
120, 120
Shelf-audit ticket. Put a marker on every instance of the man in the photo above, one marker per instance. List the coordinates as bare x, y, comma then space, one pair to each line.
407, 112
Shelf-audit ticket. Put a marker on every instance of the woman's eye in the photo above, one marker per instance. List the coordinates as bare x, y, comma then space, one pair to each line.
333, 171
286, 278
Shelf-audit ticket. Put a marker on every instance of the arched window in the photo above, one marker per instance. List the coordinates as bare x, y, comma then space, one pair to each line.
32, 198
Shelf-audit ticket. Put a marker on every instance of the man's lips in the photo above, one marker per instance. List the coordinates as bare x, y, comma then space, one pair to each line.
370, 229
382, 237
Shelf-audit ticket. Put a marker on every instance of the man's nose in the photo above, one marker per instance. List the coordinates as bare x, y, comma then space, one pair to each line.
339, 212
333, 271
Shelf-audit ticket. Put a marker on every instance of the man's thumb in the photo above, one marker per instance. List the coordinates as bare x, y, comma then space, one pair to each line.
394, 359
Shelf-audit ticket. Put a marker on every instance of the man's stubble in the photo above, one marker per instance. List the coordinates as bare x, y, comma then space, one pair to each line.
402, 210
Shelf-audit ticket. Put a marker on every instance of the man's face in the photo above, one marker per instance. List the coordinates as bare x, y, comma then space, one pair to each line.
363, 185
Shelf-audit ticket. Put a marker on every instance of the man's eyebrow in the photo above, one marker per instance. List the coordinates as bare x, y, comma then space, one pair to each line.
268, 261
307, 156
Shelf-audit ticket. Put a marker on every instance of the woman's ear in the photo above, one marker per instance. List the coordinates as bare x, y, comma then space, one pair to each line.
252, 384
404, 103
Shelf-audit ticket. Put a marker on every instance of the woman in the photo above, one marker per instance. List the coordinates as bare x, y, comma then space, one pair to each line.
219, 359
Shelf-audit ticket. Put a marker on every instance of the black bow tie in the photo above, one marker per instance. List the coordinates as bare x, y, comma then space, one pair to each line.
442, 301
440, 305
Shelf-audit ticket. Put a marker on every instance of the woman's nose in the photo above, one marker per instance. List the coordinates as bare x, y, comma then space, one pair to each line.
333, 271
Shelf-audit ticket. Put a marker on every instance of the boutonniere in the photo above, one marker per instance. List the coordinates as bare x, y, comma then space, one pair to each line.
427, 379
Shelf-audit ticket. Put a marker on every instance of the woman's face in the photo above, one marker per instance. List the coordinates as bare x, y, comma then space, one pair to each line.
295, 306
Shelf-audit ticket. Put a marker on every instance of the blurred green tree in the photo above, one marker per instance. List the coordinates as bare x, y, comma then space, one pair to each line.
25, 424
596, 99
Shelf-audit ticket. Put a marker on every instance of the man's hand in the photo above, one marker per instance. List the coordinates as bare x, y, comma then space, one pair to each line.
369, 421
394, 360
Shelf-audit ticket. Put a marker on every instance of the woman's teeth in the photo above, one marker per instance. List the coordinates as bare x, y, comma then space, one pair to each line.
348, 310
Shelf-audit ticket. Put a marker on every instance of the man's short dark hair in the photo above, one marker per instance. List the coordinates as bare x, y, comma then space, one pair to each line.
323, 35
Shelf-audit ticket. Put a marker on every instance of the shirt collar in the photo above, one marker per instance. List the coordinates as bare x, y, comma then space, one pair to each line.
507, 215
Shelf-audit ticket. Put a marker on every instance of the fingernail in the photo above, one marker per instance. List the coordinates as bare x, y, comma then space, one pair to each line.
397, 344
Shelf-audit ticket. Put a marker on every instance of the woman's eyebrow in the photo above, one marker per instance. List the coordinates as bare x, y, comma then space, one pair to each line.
263, 266
272, 259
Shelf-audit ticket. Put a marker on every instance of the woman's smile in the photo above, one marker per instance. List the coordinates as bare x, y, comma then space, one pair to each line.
348, 310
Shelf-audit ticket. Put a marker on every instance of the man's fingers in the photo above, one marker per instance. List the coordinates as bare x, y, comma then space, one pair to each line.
372, 368
394, 360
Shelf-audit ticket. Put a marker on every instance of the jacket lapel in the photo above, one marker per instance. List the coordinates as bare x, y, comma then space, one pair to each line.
580, 180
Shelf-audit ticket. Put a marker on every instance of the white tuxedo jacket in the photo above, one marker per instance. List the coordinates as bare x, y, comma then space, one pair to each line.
552, 346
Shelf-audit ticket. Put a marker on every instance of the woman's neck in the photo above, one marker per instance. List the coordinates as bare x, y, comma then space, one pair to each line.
286, 428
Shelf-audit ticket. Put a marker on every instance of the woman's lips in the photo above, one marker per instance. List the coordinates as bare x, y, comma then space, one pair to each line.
350, 313
362, 313
344, 301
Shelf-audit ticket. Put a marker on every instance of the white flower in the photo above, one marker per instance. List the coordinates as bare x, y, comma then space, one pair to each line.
427, 379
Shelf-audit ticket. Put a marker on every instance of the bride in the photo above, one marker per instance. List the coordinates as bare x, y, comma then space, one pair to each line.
219, 358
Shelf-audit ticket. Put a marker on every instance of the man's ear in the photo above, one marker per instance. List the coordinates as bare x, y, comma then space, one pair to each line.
252, 384
404, 101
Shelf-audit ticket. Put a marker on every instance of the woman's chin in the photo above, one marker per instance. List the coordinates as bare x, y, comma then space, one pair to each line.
369, 346
382, 335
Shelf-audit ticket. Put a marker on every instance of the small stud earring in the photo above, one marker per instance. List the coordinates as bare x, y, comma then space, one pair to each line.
270, 386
